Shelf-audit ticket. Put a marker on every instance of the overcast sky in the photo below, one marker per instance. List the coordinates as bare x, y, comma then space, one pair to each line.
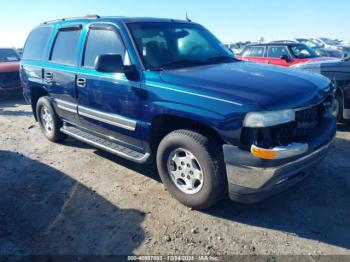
229, 20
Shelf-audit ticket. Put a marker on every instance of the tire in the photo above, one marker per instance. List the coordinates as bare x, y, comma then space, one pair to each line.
49, 122
206, 161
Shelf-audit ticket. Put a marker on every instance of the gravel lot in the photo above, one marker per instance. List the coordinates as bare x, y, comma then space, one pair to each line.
65, 199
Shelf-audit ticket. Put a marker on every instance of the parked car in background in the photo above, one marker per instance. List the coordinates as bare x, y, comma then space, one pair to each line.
334, 44
318, 47
282, 54
9, 69
164, 89
339, 73
19, 51
238, 47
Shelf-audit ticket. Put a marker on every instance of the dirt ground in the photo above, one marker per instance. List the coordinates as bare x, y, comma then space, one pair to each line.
71, 199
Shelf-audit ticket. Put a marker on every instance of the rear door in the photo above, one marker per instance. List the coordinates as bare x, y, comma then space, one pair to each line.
255, 54
108, 103
60, 72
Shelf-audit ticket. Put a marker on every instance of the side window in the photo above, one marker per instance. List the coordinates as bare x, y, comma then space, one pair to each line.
36, 43
66, 47
99, 42
257, 51
277, 51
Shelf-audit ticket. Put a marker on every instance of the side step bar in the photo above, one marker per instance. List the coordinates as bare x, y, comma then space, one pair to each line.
105, 144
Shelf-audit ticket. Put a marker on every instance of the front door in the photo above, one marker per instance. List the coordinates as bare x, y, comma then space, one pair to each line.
107, 102
275, 54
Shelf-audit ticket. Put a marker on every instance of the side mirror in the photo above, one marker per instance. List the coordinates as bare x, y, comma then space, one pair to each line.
109, 63
286, 58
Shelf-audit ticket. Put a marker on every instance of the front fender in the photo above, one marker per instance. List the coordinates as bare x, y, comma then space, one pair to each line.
228, 127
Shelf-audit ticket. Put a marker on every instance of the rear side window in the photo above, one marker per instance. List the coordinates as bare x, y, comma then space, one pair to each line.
99, 42
36, 43
277, 51
66, 47
257, 51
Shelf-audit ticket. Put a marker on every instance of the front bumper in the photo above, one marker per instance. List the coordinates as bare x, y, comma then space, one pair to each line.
251, 179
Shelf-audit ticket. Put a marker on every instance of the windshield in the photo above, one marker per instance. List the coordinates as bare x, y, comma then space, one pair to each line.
330, 41
8, 55
163, 45
302, 51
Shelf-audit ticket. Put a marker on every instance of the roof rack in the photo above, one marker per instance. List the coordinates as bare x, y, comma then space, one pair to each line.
72, 18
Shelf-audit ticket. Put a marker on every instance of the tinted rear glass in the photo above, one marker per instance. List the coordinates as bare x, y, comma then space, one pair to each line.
66, 47
8, 55
36, 43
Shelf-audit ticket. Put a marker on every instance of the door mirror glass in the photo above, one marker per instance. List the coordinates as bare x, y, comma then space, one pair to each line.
109, 63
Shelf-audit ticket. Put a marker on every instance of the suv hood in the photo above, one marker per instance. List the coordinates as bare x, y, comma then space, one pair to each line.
270, 87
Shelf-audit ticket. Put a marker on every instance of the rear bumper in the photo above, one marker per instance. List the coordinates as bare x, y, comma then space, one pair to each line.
251, 179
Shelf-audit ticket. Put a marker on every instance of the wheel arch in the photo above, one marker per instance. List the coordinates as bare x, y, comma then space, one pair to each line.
36, 92
163, 124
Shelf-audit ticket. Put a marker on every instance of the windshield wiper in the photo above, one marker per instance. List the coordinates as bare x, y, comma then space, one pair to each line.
185, 62
221, 59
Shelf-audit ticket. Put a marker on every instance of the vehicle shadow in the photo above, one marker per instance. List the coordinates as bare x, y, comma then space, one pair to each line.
46, 212
318, 208
10, 107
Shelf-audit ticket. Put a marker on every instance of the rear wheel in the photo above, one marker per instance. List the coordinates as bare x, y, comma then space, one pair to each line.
49, 122
192, 168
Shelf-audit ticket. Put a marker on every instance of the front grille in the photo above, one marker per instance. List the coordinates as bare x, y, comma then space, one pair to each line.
305, 124
307, 120
10, 79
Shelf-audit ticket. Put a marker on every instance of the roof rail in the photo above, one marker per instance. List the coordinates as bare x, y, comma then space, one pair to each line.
72, 18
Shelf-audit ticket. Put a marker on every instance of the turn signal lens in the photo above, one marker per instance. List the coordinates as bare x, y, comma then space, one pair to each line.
280, 152
263, 153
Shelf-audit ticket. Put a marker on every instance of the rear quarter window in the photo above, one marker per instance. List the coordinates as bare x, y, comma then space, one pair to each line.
66, 46
36, 43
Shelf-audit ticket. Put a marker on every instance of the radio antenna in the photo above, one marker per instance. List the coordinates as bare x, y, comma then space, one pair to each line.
188, 20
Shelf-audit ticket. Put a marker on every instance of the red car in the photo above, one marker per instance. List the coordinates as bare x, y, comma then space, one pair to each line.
282, 54
9, 69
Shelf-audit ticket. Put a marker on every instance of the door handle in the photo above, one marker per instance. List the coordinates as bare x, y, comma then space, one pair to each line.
48, 76
81, 82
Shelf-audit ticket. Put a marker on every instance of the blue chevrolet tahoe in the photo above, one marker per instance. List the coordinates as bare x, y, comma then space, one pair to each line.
167, 90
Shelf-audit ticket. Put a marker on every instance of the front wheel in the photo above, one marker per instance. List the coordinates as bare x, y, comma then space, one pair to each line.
49, 122
192, 169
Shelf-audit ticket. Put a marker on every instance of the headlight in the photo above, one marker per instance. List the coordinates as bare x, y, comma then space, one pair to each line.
272, 118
